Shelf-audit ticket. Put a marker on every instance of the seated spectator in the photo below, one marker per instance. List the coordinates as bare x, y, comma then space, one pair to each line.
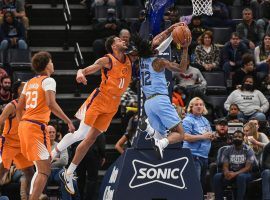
231, 54
255, 139
191, 80
237, 160
266, 173
135, 26
198, 136
246, 69
17, 8
197, 29
206, 53
179, 96
263, 20
220, 16
248, 30
262, 55
5, 91
251, 102
127, 139
57, 165
234, 113
12, 33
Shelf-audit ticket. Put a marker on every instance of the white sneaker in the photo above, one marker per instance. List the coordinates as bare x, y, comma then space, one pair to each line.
158, 148
67, 179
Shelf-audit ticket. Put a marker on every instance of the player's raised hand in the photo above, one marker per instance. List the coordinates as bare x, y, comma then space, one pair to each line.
81, 78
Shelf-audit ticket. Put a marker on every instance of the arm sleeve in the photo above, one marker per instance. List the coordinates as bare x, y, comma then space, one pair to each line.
49, 84
165, 44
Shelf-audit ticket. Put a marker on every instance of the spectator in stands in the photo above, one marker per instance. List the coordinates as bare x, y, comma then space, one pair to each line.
125, 35
198, 136
127, 139
249, 31
246, 69
191, 80
262, 54
234, 113
197, 29
266, 173
255, 139
231, 54
12, 33
174, 15
5, 91
237, 162
111, 26
251, 102
57, 165
206, 53
17, 8
135, 26
179, 96
87, 170
221, 138
263, 22
220, 17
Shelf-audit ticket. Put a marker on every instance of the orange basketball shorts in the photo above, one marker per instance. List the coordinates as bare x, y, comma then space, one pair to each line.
100, 109
34, 140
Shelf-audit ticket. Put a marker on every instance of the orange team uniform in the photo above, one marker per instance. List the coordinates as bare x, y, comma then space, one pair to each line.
10, 144
33, 133
100, 107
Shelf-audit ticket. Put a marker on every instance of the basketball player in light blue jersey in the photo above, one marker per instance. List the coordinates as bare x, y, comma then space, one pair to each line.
161, 114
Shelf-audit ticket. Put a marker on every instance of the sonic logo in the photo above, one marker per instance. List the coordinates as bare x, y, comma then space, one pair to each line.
167, 173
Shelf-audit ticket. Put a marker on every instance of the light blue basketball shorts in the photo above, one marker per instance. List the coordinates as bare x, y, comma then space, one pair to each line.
161, 114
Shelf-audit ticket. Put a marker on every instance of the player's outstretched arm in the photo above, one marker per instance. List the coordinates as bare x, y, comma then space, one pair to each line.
56, 110
98, 65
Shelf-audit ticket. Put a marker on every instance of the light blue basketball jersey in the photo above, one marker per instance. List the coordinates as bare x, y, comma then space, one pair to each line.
152, 82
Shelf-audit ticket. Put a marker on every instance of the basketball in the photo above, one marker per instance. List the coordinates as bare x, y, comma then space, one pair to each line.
181, 34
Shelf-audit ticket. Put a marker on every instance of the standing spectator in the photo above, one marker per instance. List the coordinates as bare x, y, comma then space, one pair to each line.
198, 135
17, 8
5, 91
57, 165
231, 54
221, 138
248, 30
12, 32
237, 162
206, 53
251, 102
87, 170
246, 69
262, 54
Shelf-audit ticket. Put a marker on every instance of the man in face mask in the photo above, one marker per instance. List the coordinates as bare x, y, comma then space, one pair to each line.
237, 160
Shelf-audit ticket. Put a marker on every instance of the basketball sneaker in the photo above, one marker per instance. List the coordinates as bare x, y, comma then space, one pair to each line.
67, 180
158, 148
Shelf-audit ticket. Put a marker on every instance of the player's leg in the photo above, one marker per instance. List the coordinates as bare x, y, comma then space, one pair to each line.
71, 138
39, 180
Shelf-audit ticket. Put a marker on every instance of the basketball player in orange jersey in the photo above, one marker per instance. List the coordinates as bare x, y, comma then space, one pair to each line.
10, 142
100, 107
38, 100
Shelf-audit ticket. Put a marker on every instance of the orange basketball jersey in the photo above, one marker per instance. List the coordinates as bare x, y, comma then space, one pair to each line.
36, 107
116, 79
10, 131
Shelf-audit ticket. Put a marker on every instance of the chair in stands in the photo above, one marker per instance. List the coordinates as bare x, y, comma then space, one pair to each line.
217, 101
221, 34
216, 83
19, 59
23, 76
236, 12
130, 12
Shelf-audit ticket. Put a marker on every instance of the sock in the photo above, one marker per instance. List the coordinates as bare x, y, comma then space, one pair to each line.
72, 167
164, 143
